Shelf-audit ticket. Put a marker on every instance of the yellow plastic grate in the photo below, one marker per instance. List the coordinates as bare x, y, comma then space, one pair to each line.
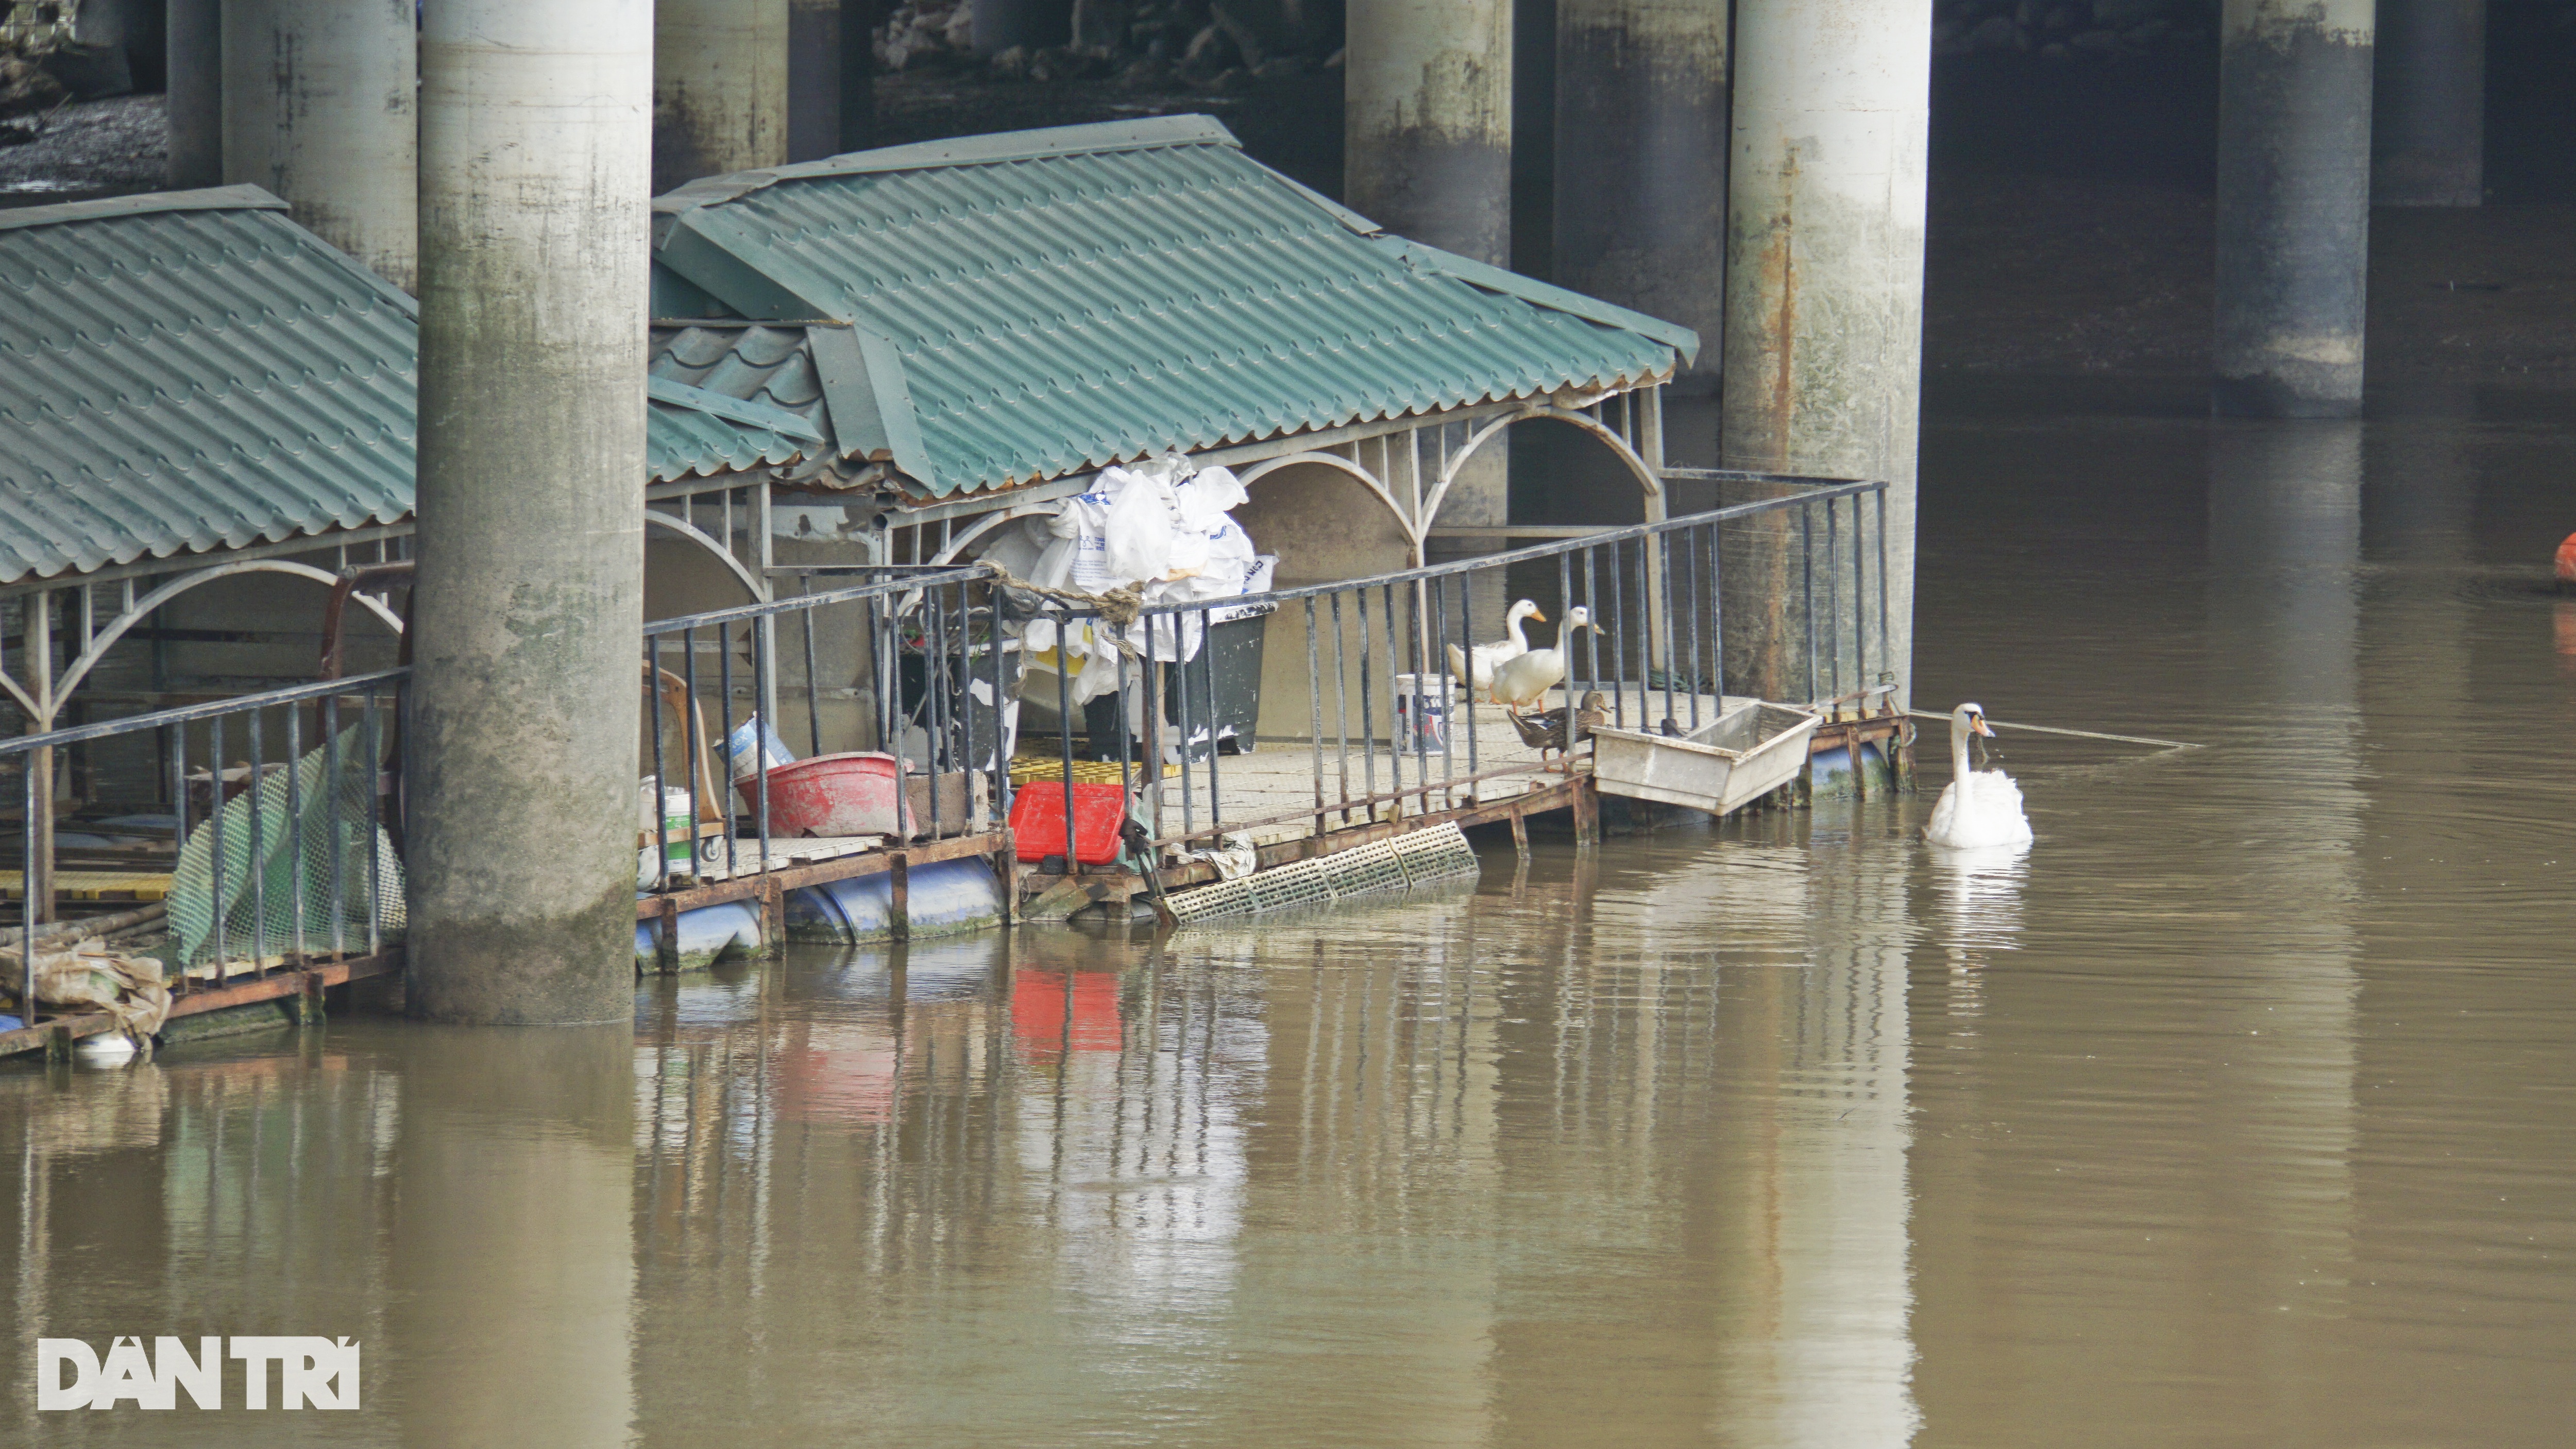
1025, 768
92, 885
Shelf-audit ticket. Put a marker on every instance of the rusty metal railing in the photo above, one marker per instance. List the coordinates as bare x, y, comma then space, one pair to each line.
257, 828
1377, 648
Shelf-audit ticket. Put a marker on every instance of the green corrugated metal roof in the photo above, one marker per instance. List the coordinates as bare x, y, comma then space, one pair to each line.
1038, 303
188, 372
692, 432
192, 371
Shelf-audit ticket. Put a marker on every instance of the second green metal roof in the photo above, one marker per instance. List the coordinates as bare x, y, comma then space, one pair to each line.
1039, 303
191, 371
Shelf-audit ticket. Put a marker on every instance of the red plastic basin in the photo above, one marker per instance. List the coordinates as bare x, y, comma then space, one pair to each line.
1037, 821
859, 793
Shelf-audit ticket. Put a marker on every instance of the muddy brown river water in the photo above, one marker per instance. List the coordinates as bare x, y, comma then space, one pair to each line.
2242, 1111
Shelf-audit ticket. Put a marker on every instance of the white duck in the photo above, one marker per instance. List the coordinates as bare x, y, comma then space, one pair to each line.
1484, 657
1979, 808
1523, 680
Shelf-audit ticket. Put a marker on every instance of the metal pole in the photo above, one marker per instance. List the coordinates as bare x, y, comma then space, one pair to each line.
331, 823
256, 788
1064, 729
1395, 737
661, 768
761, 655
295, 820
215, 823
813, 685
1207, 674
27, 922
375, 831
1341, 710
1315, 712
724, 748
1807, 576
1368, 716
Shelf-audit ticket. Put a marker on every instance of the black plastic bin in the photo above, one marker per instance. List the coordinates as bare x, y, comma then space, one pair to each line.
1233, 651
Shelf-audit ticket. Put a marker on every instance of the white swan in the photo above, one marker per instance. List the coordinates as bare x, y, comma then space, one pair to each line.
1978, 808
1522, 680
1480, 684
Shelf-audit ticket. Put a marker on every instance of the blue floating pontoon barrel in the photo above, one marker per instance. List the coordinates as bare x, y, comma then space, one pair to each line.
706, 935
944, 898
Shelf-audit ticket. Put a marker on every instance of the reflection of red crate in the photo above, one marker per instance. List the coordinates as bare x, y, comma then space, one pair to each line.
1053, 1012
1037, 820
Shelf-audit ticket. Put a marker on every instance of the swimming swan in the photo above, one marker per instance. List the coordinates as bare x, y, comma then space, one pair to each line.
1486, 657
1978, 808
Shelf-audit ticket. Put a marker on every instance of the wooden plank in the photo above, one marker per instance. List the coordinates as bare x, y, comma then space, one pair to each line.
848, 867
1072, 893
275, 986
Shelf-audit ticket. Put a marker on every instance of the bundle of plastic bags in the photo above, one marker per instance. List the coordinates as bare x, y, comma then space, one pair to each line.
1163, 529
133, 989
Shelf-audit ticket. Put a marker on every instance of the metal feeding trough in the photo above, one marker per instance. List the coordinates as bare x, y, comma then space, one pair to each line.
1752, 750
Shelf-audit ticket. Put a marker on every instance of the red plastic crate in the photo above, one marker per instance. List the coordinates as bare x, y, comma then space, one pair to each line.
1037, 821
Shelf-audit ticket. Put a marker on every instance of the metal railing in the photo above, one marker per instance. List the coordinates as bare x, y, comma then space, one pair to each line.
925, 644
265, 877
1377, 659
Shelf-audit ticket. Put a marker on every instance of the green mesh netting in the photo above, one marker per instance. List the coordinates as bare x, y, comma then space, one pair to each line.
258, 907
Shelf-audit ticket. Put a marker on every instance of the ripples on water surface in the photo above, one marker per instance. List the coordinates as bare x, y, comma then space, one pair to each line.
2237, 1113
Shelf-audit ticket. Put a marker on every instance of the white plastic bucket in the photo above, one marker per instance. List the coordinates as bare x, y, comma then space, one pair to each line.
1422, 708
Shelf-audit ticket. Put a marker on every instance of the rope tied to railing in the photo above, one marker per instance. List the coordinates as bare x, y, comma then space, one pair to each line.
1120, 606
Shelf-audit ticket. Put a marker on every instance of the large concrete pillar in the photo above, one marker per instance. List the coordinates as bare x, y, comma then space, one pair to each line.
535, 153
859, 20
2428, 139
1641, 135
814, 61
1427, 122
2293, 206
319, 108
195, 98
719, 88
1427, 154
1824, 301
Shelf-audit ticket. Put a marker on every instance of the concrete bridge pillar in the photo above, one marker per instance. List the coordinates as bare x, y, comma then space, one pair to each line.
2428, 138
318, 107
720, 88
193, 33
1427, 122
1824, 299
2293, 206
1641, 139
536, 147
859, 20
813, 79
1427, 154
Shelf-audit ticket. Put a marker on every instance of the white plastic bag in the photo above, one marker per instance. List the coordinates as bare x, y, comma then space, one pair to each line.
1142, 536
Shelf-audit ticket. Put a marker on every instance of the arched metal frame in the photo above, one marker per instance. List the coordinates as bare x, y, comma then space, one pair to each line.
1416, 520
751, 582
49, 697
